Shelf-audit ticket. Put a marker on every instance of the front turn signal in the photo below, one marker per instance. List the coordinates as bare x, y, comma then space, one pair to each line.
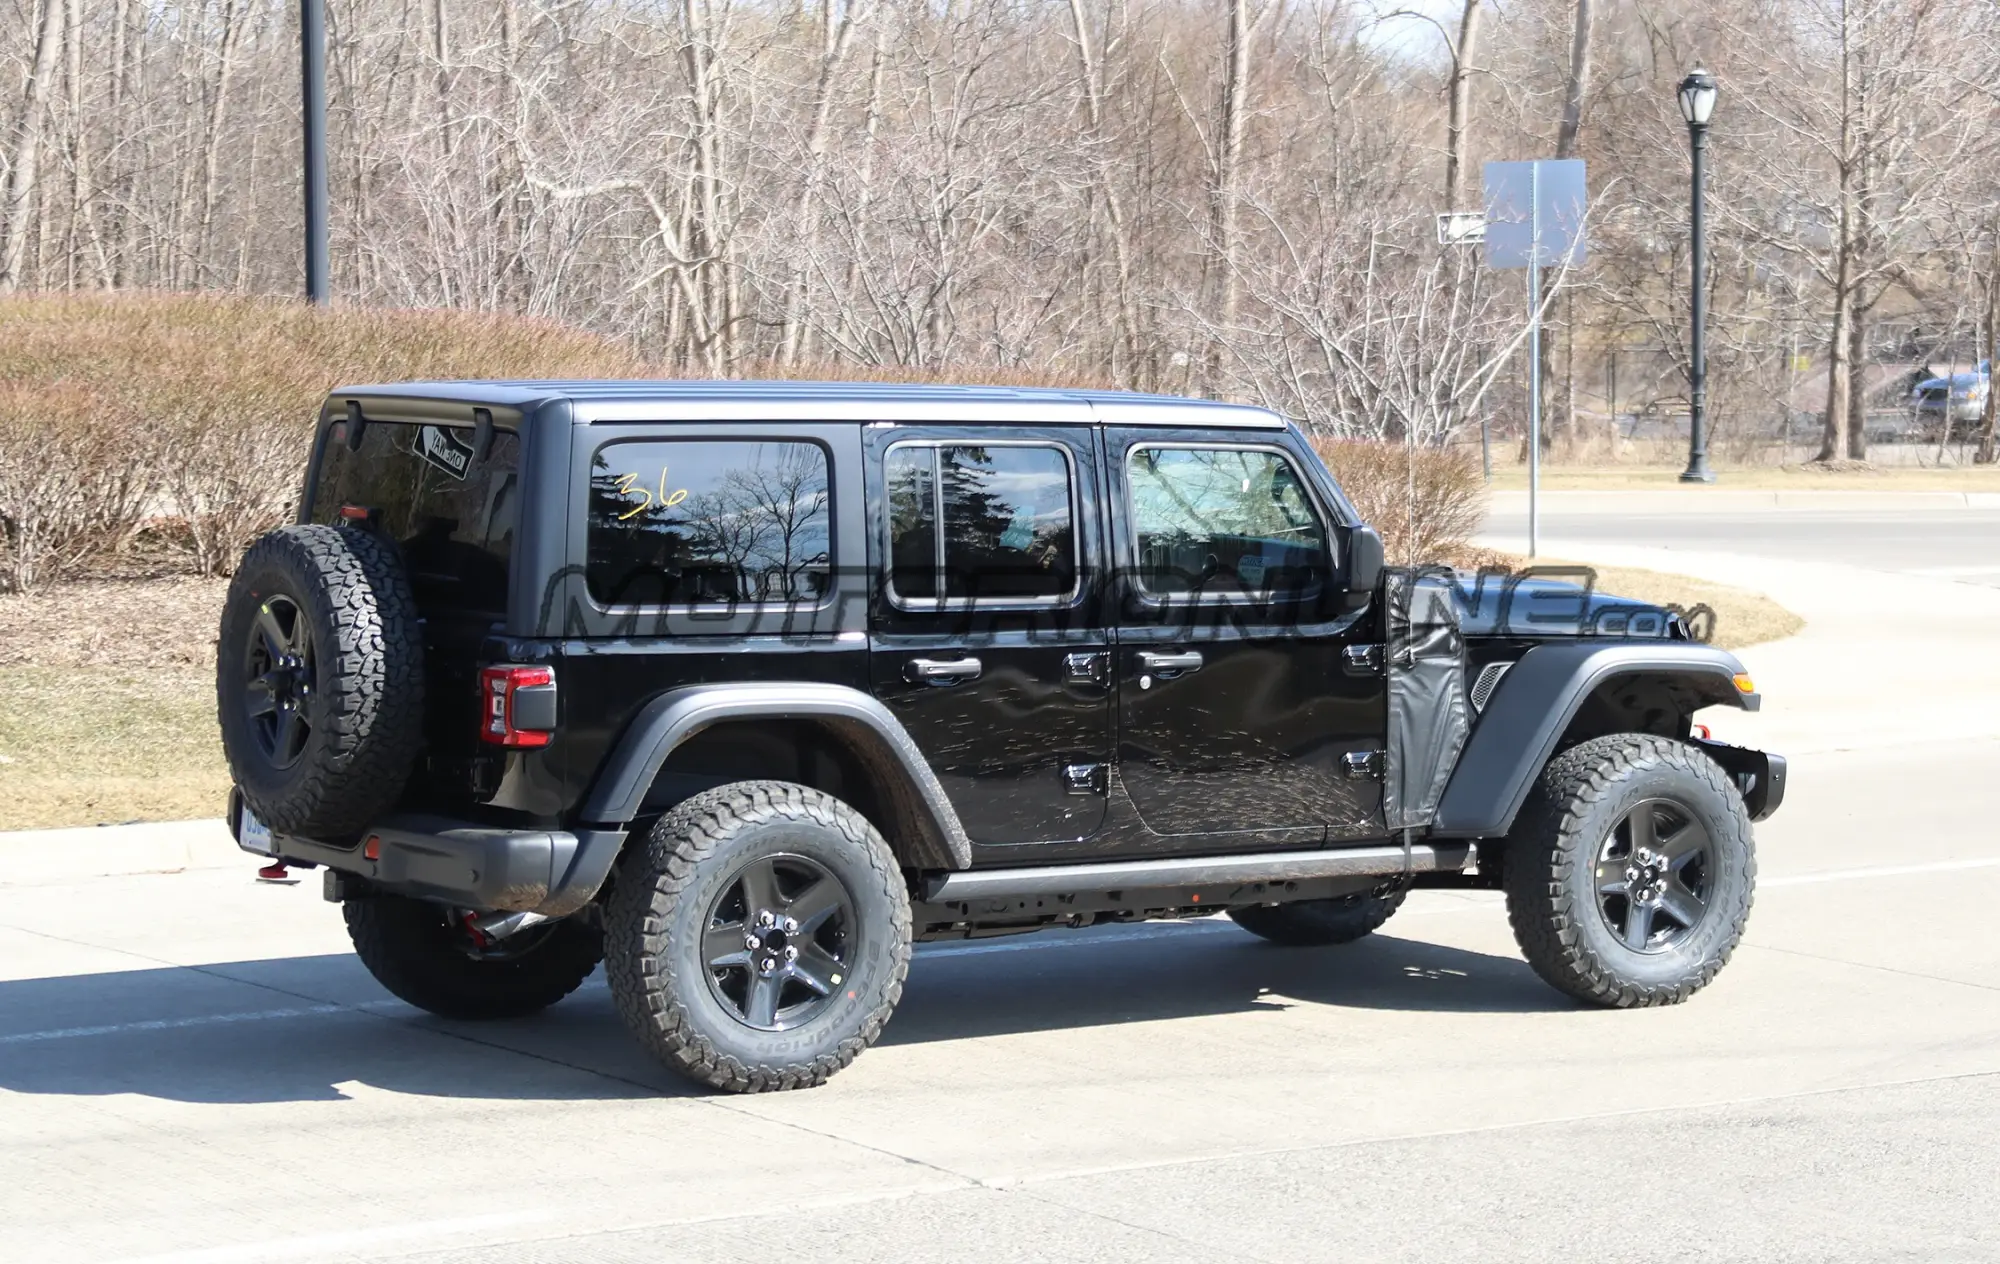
1744, 683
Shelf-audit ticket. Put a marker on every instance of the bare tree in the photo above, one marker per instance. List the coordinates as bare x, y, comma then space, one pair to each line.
24, 165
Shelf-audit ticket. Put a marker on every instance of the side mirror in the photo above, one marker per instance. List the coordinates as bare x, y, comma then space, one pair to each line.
1364, 566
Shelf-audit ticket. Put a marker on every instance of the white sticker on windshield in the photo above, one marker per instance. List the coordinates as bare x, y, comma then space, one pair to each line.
444, 449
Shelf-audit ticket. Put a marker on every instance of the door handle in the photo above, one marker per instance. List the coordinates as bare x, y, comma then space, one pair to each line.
936, 671
1169, 664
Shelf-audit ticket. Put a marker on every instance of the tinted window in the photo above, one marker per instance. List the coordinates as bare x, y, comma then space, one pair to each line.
695, 523
453, 517
913, 559
1218, 520
1007, 521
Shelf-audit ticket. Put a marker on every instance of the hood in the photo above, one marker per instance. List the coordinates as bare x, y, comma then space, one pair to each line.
1507, 605
1955, 381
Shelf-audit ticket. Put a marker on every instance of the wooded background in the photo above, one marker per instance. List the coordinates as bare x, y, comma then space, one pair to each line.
1209, 196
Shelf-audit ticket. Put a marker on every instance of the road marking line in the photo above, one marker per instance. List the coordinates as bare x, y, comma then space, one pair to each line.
170, 1024
341, 1240
1880, 871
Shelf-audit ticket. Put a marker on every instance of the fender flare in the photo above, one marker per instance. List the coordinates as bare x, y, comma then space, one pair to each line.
862, 722
1535, 702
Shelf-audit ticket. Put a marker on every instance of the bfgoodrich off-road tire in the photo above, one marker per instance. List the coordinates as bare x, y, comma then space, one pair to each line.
1630, 871
420, 952
319, 679
1317, 923
759, 937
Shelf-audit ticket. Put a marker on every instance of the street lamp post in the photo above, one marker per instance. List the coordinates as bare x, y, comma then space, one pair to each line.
312, 83
1697, 98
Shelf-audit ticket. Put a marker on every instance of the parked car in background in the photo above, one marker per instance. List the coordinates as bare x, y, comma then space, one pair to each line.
1953, 398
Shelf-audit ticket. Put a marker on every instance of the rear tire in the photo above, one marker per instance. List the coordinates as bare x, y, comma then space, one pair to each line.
416, 950
1318, 923
1630, 871
812, 883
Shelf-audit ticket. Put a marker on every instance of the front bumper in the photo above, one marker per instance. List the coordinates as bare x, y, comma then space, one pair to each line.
551, 872
1759, 775
1958, 410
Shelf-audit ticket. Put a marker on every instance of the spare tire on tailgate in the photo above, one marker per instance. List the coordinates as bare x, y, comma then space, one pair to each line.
319, 680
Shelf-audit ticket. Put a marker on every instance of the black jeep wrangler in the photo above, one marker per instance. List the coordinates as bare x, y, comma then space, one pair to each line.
744, 688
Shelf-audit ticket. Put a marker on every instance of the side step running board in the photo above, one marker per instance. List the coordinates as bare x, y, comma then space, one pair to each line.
1198, 871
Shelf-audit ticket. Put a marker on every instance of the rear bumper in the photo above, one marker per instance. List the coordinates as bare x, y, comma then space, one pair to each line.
552, 872
1760, 776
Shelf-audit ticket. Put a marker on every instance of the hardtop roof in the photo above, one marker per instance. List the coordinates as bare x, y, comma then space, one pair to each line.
526, 393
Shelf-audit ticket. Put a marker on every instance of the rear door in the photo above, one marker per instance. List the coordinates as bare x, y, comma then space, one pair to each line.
1242, 714
988, 547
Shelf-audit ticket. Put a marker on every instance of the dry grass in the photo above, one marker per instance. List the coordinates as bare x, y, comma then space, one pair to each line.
107, 703
95, 747
1787, 478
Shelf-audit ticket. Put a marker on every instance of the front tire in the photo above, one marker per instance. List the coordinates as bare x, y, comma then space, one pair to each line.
1630, 871
1318, 923
759, 938
421, 952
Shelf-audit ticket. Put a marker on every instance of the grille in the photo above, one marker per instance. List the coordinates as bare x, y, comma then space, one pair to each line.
1487, 681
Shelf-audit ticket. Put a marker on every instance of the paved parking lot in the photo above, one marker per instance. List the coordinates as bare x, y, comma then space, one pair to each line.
192, 1067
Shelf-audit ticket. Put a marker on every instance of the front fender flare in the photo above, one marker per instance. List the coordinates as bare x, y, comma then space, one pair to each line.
860, 720
1536, 700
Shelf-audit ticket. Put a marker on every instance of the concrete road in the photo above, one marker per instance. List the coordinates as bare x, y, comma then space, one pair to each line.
192, 1067
1960, 544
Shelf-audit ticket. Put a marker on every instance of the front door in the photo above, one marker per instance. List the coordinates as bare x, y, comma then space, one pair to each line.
984, 640
1241, 711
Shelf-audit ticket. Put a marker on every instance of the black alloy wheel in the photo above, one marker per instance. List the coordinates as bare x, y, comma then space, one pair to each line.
279, 676
779, 941
1653, 876
757, 937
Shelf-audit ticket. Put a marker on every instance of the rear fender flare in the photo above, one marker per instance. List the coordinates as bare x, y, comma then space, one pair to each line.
937, 837
1535, 702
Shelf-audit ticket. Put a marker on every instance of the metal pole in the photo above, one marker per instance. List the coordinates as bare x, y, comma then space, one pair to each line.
312, 74
1535, 363
1697, 470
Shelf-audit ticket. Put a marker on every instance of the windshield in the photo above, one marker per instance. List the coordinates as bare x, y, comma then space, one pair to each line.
453, 515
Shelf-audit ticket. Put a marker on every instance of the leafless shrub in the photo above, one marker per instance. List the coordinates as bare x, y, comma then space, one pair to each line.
1426, 502
69, 485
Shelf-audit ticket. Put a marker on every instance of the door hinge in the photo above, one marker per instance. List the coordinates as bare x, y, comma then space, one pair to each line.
1085, 779
1362, 765
1087, 667
1362, 660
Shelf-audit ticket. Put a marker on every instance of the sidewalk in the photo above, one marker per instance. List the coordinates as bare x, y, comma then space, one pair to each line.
31, 858
1738, 500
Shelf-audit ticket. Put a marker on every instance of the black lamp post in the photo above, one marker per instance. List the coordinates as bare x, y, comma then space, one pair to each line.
1697, 97
312, 82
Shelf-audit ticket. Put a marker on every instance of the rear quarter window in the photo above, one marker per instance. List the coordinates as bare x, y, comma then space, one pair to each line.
683, 522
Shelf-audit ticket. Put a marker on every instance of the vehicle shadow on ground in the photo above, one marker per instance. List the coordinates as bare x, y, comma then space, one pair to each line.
1199, 970
317, 1029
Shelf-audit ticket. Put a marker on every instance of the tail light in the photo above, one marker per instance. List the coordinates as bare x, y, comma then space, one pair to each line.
517, 706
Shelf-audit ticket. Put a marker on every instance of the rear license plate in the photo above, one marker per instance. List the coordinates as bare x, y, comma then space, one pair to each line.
252, 834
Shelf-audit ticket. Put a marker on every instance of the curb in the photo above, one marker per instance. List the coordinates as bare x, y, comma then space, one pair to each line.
1734, 500
46, 857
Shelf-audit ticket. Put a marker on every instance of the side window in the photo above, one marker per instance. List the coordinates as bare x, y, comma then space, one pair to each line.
980, 522
1223, 520
684, 522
